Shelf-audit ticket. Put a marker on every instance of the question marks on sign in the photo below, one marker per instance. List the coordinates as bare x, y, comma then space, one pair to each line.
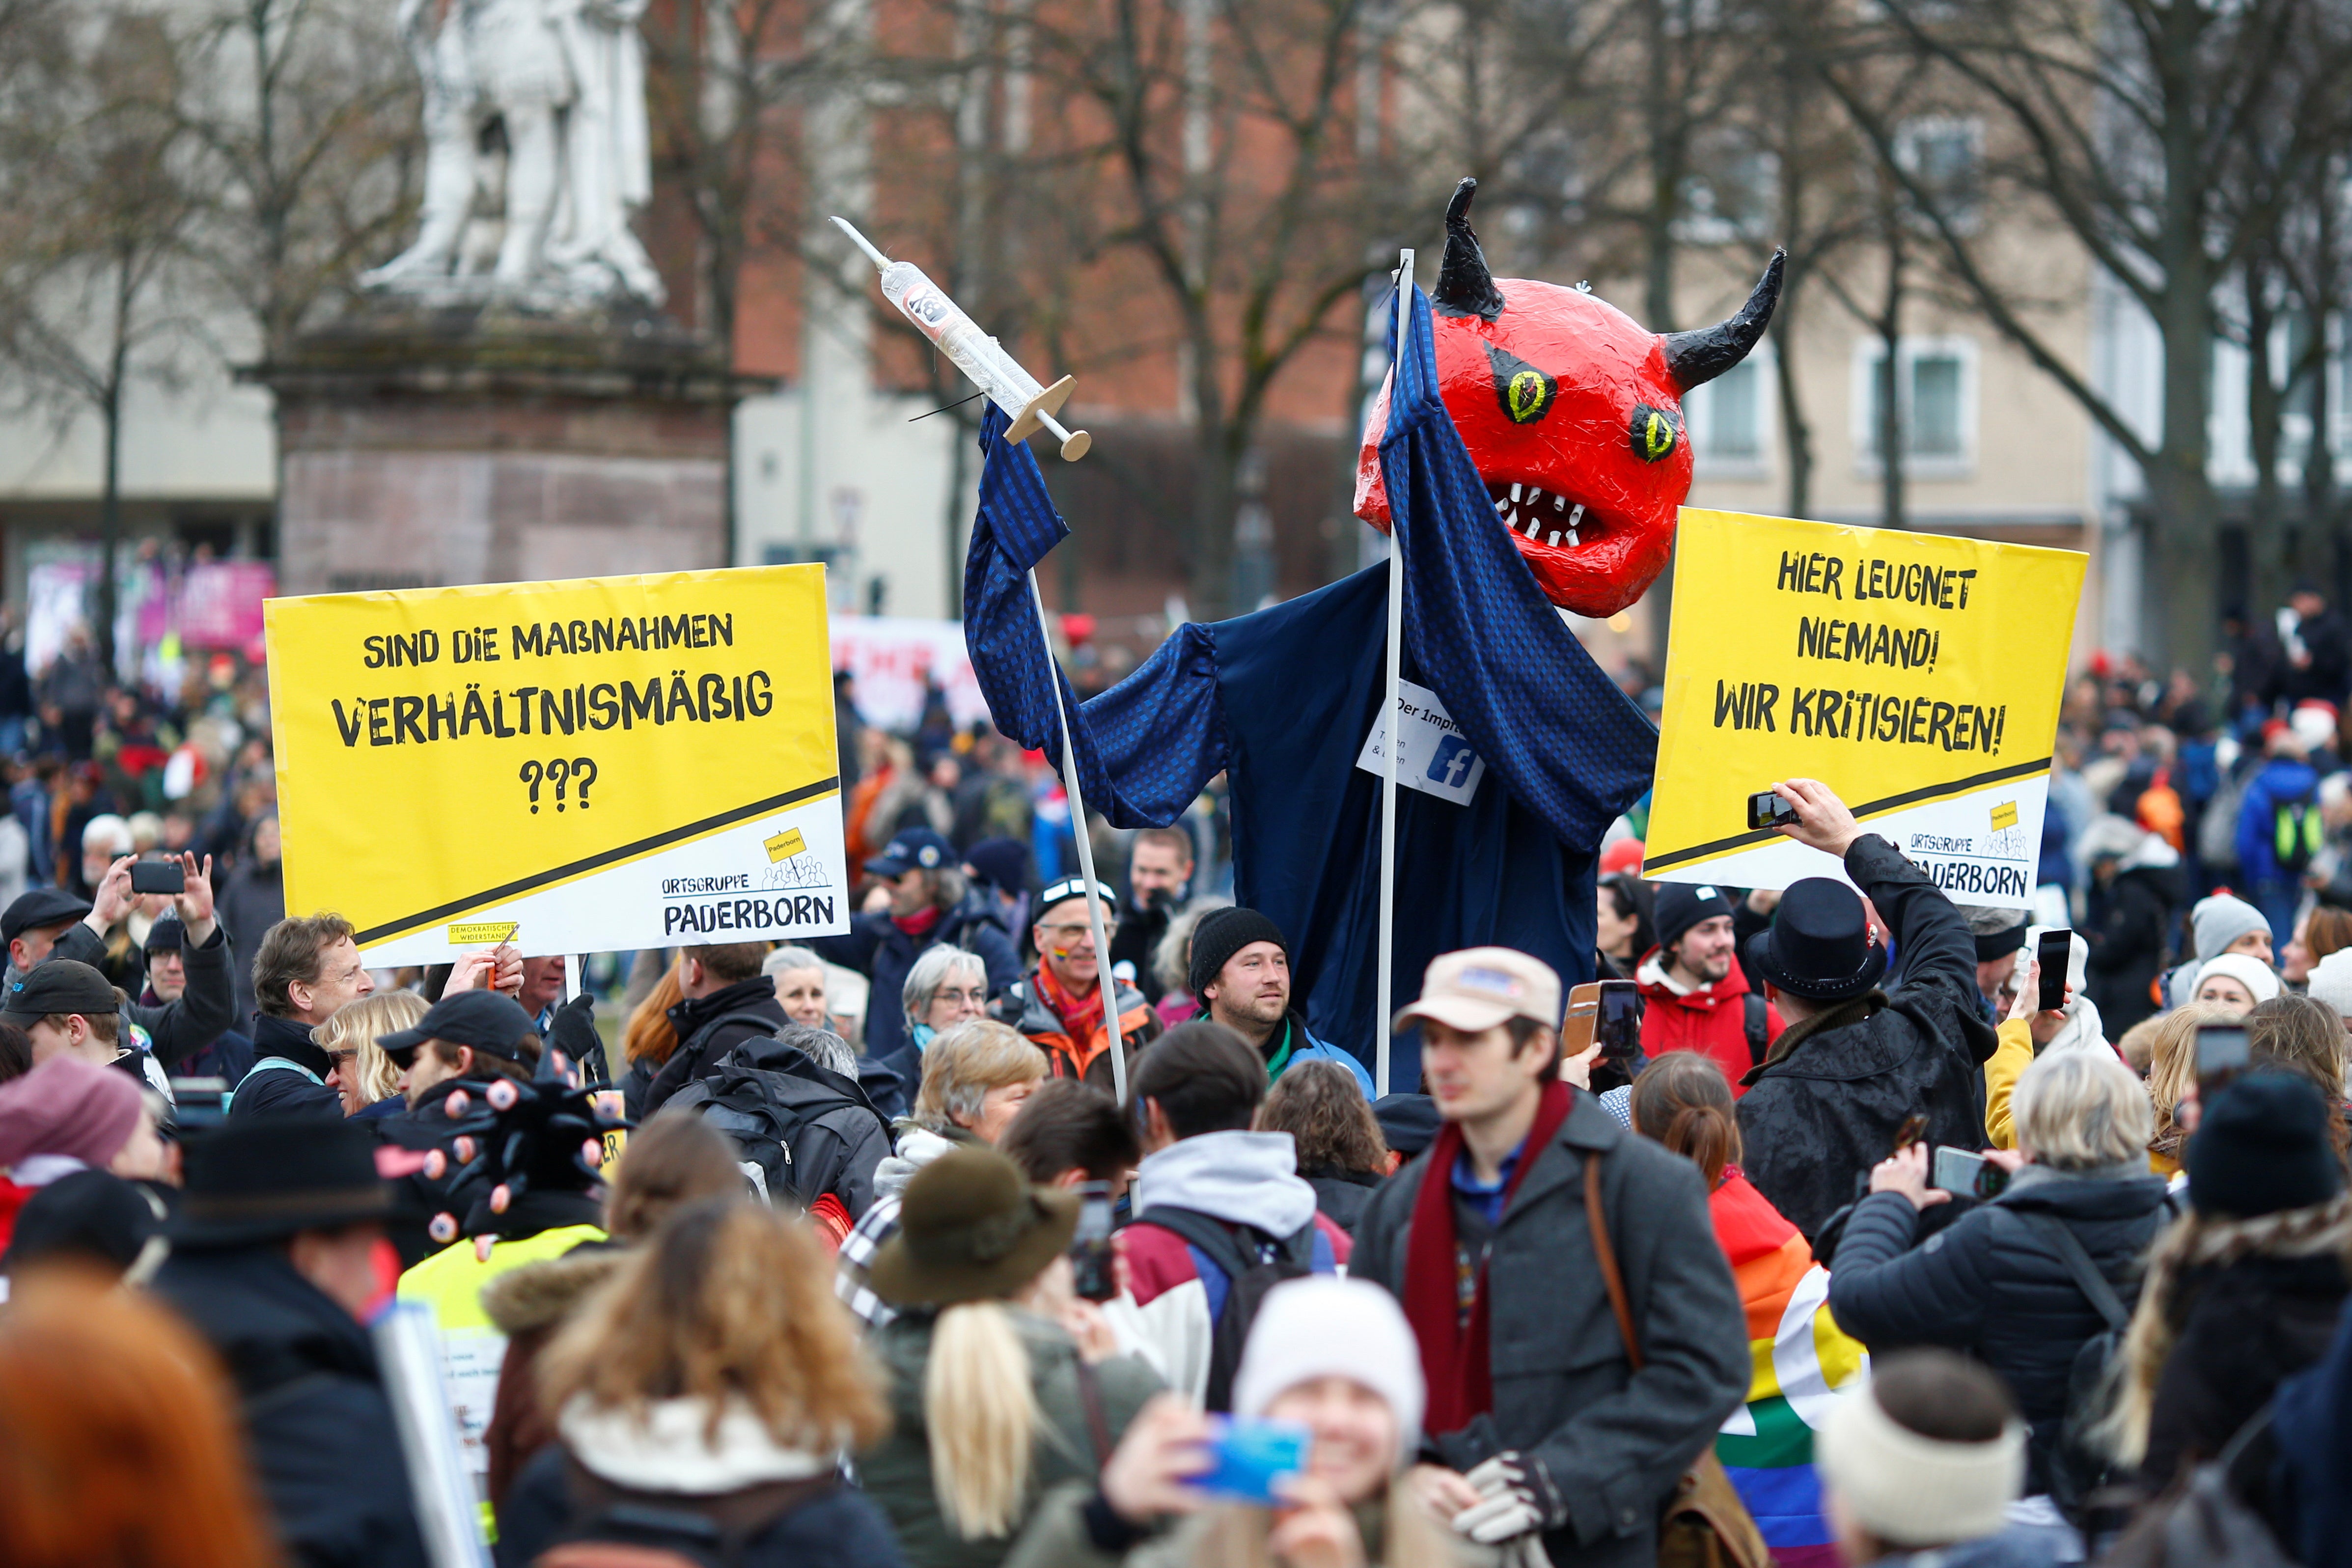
578, 772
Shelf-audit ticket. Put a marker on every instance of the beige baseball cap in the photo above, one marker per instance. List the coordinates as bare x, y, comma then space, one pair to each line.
1479, 987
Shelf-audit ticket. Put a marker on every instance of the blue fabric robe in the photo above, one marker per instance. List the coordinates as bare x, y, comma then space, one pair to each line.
1283, 699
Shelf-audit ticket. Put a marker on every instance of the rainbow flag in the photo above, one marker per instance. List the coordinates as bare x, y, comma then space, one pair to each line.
1802, 1358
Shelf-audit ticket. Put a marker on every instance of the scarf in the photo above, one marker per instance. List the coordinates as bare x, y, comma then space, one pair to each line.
1461, 1376
1080, 1016
920, 923
1853, 1010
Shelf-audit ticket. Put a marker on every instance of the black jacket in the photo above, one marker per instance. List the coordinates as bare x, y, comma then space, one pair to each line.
1615, 1442
277, 1092
2131, 919
878, 949
1835, 1090
177, 1029
313, 1405
251, 900
838, 1528
2243, 1330
1141, 927
1341, 1196
701, 1047
1994, 1285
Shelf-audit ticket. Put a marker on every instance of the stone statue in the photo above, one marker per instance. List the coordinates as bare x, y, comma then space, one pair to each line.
559, 84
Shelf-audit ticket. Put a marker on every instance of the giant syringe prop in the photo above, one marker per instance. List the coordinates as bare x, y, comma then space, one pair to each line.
1029, 407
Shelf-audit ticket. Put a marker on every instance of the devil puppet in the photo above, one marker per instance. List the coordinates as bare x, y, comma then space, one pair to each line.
1528, 452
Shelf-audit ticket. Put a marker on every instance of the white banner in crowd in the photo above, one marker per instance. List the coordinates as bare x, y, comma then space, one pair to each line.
891, 656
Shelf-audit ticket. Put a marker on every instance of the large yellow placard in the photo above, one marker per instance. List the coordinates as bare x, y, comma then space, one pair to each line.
1918, 675
457, 763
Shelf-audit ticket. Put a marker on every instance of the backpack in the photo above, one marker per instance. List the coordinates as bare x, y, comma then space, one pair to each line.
2077, 1469
766, 1110
1252, 1263
626, 1529
2217, 830
2297, 835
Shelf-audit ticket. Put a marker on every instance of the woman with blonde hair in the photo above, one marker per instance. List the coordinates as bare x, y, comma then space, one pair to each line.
2172, 1075
648, 1039
368, 1080
702, 1400
994, 1400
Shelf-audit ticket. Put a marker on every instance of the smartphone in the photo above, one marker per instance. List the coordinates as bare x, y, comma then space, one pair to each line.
1576, 1031
1618, 1024
1252, 1457
1091, 1249
2222, 1052
1965, 1174
1770, 810
2055, 954
158, 877
1914, 1128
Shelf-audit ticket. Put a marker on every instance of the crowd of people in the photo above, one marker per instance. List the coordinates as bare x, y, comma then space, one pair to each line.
848, 1252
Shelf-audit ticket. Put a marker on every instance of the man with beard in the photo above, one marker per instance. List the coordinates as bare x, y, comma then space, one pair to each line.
1241, 973
1694, 996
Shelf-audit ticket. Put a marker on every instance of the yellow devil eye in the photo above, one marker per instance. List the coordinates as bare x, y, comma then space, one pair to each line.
1656, 431
1525, 393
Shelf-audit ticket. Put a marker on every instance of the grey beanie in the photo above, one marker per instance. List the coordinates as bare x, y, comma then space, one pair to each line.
2218, 921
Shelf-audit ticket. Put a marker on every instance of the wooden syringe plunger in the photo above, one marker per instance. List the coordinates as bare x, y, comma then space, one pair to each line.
1029, 407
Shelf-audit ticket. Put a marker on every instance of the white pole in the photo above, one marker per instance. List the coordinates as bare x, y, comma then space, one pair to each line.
1104, 978
1395, 730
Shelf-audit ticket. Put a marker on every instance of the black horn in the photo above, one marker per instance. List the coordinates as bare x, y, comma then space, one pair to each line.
1464, 287
1695, 358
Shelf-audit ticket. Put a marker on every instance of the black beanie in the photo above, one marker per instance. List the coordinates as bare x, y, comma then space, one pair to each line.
2262, 1146
1220, 934
1681, 905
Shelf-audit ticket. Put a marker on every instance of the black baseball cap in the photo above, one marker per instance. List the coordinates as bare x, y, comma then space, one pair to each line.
166, 935
916, 848
60, 985
489, 1021
41, 906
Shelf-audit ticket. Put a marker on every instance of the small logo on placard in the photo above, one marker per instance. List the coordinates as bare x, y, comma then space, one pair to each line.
475, 933
2004, 815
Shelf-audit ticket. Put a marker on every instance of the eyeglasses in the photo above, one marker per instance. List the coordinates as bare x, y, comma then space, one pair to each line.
975, 995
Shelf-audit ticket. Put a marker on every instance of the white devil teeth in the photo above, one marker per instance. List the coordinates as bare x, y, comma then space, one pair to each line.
1515, 492
1502, 506
1572, 538
1560, 503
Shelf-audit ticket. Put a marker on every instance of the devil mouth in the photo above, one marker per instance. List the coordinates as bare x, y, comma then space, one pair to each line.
1541, 517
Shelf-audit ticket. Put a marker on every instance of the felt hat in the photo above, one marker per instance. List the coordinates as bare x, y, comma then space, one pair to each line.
89, 1214
267, 1179
41, 906
1818, 945
970, 1228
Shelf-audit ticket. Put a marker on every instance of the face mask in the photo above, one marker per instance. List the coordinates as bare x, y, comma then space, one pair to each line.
924, 1034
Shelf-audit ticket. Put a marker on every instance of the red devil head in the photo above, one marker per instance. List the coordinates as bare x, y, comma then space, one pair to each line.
1573, 415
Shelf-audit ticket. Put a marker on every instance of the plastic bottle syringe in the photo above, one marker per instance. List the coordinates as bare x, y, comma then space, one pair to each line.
979, 356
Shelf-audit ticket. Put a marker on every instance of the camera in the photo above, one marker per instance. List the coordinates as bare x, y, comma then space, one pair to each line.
1091, 1249
158, 877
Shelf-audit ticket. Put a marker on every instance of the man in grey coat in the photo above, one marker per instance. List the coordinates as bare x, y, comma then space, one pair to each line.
1539, 1421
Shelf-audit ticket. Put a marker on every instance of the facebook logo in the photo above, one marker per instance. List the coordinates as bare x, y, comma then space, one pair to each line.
1453, 762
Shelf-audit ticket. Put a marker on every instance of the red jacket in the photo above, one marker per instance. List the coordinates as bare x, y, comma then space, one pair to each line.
1713, 1021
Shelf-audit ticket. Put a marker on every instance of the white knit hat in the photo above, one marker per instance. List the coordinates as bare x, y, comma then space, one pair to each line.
2331, 981
2262, 981
1913, 1491
1326, 1325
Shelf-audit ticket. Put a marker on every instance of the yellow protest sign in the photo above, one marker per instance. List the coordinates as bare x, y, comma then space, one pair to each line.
1919, 676
575, 766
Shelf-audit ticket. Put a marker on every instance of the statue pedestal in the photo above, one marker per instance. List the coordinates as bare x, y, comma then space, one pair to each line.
425, 442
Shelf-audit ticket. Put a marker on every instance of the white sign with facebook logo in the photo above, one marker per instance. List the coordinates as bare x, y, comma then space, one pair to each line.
1436, 758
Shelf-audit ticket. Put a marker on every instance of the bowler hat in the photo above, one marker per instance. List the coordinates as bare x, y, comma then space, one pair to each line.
268, 1179
970, 1228
1819, 945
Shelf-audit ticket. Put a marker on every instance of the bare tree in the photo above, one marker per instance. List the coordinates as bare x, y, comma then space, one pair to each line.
91, 174
2116, 123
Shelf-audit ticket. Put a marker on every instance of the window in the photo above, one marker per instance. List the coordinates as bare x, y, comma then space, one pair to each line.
1943, 155
1727, 419
1936, 380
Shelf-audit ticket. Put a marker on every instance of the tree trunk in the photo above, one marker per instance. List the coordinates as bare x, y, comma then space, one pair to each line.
1890, 382
1213, 497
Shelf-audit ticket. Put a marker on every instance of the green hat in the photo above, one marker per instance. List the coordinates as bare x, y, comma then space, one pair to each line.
970, 1228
